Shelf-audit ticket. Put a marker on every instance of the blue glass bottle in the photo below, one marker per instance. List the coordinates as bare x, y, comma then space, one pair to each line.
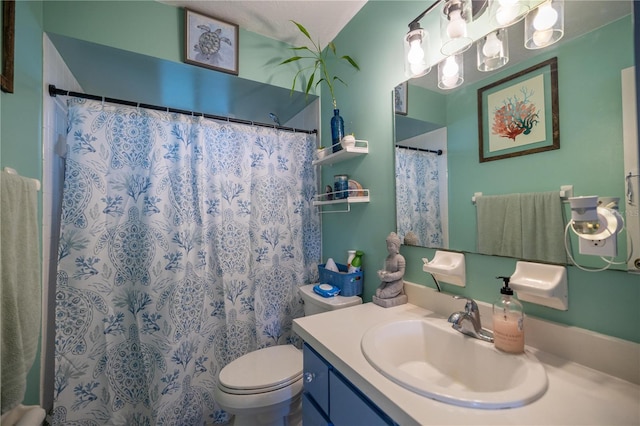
337, 130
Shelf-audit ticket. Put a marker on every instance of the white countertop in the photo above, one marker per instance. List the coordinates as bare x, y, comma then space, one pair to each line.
577, 395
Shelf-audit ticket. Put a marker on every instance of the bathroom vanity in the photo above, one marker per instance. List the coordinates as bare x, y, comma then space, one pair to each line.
329, 398
592, 378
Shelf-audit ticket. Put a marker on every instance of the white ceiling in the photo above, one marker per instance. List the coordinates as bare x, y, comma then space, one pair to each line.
322, 18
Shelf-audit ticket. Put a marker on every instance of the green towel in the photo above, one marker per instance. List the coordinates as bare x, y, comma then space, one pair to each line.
20, 287
525, 226
499, 225
543, 227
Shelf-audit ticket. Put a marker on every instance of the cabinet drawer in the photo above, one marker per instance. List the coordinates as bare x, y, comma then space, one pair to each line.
349, 407
316, 378
311, 413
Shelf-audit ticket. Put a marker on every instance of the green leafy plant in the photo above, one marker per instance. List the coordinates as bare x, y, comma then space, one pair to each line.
319, 65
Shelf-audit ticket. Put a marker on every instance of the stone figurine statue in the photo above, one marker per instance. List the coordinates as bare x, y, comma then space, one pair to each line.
391, 290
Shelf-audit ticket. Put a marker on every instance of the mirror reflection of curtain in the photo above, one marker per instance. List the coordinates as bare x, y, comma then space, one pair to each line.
418, 197
183, 242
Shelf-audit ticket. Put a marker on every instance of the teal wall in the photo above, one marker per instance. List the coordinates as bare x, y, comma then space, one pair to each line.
605, 302
426, 105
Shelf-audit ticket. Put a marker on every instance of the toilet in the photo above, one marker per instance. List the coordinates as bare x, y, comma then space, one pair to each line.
264, 387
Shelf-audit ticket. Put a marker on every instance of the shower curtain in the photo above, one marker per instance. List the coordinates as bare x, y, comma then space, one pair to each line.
183, 242
418, 196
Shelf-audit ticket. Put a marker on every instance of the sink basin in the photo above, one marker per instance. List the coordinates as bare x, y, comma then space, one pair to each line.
428, 357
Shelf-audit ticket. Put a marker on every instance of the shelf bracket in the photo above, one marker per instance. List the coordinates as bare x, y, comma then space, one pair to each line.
348, 209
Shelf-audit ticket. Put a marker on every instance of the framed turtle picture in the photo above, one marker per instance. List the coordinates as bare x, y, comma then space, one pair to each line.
210, 42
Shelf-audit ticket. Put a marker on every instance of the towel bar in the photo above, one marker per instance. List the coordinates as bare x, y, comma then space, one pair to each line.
566, 191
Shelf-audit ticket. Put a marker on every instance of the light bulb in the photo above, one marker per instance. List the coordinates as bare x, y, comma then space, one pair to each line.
457, 27
418, 69
450, 68
450, 81
541, 38
507, 2
506, 14
416, 54
449, 72
546, 17
492, 45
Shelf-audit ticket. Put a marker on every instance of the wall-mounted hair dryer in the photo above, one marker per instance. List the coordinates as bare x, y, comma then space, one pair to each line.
597, 222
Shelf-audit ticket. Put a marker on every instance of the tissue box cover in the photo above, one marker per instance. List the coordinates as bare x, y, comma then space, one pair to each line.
349, 284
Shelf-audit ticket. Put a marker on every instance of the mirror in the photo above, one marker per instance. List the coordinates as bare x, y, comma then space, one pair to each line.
448, 120
421, 182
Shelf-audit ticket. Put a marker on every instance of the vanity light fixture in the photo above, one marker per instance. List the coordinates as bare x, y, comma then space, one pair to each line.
493, 50
450, 72
414, 51
545, 25
507, 12
455, 16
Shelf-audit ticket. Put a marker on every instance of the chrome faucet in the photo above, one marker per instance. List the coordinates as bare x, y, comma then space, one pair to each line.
468, 322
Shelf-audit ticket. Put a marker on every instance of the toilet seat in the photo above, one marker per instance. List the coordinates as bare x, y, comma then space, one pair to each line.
264, 370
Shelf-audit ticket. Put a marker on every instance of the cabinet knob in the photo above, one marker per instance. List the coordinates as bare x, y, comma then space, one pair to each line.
308, 377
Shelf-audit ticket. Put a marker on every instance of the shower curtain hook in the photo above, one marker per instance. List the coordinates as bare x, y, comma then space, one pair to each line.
103, 102
138, 106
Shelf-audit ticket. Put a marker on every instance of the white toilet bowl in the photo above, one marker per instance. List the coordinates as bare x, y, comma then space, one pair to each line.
264, 387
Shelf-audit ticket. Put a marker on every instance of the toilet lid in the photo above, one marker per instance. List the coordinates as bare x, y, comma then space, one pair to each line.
262, 370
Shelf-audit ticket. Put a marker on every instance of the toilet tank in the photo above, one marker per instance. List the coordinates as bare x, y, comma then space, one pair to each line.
315, 304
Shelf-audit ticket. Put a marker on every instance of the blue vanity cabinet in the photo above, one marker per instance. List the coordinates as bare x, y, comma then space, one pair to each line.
330, 399
315, 396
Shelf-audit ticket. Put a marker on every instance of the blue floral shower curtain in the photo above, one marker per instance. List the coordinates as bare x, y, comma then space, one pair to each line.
183, 242
418, 197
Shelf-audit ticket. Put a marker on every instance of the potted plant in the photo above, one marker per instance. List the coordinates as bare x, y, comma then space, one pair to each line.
320, 72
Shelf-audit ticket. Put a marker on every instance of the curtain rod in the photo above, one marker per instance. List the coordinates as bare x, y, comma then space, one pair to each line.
53, 91
438, 152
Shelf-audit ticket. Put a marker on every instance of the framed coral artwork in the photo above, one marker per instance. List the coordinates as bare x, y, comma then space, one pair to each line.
210, 42
518, 115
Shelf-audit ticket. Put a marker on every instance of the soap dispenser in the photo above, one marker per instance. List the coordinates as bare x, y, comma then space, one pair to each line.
508, 321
